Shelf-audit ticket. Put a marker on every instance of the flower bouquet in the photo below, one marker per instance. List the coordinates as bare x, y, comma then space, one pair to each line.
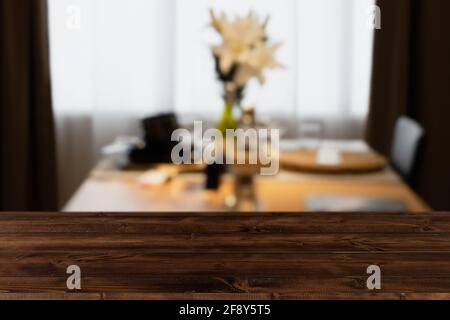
245, 53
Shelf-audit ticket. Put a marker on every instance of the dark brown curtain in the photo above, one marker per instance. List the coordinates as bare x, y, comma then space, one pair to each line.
411, 76
27, 159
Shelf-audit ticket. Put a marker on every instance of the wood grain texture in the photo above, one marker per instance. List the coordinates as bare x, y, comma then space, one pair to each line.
224, 256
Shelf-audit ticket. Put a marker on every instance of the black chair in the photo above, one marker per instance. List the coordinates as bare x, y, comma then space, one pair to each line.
407, 137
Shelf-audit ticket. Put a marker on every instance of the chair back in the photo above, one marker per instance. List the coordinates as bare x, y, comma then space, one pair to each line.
407, 137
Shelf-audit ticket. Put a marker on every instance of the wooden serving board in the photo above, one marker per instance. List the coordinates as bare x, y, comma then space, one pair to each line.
306, 161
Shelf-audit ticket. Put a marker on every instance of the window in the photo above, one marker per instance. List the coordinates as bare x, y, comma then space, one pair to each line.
145, 56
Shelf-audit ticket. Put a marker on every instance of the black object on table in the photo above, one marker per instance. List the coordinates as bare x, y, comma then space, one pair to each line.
157, 136
213, 174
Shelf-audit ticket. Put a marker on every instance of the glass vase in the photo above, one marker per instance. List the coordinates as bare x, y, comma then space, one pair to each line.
228, 119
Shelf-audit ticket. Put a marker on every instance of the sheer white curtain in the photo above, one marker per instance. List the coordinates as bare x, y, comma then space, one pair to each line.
114, 61
326, 50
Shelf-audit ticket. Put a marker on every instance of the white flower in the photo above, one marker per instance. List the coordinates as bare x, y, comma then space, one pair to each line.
238, 37
244, 74
262, 57
245, 45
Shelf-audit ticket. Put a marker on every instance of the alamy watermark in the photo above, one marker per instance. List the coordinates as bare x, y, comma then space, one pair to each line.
240, 146
374, 17
74, 17
374, 281
74, 280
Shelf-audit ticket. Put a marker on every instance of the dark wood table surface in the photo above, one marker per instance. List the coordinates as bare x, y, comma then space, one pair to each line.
224, 256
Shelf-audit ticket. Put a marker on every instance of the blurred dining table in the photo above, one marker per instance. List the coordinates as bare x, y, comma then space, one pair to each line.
112, 189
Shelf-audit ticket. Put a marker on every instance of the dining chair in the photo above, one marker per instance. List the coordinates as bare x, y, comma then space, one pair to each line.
407, 137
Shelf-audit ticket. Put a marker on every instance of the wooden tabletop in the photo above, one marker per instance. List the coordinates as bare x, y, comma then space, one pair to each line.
119, 191
224, 256
110, 189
